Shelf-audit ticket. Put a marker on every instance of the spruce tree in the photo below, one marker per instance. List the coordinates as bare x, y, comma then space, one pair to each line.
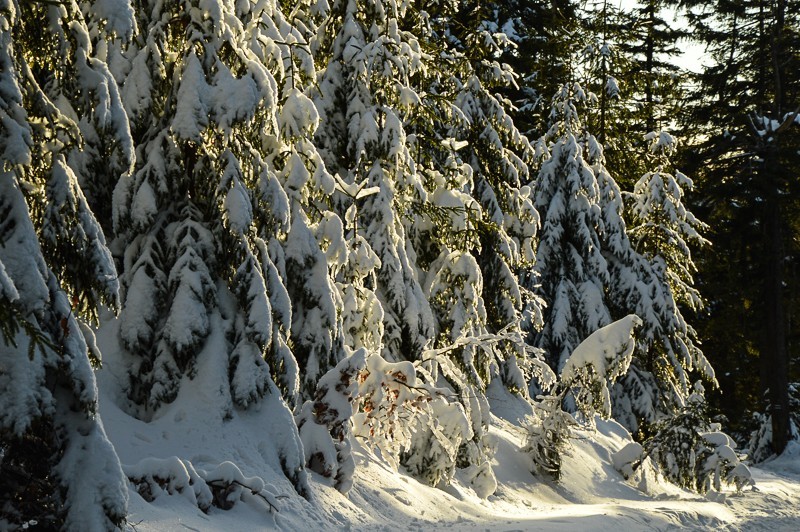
497, 156
745, 108
668, 354
654, 83
570, 271
57, 467
369, 63
216, 119
473, 281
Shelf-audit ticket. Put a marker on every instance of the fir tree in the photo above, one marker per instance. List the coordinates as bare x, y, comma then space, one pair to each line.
203, 216
745, 108
408, 140
368, 65
654, 82
663, 229
692, 453
497, 155
57, 467
570, 271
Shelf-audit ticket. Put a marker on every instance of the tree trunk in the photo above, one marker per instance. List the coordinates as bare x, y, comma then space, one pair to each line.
603, 80
649, 67
777, 354
774, 357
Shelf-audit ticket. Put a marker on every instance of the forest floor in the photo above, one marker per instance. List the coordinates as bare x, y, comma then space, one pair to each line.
590, 495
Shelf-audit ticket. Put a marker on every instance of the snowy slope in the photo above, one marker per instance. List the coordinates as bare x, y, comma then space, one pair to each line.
591, 494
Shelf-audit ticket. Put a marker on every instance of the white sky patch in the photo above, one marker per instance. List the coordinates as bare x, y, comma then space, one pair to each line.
693, 57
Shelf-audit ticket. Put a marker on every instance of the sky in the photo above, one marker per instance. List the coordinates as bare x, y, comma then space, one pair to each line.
692, 57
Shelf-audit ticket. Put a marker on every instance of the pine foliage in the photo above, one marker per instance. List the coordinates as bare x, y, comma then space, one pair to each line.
208, 220
57, 467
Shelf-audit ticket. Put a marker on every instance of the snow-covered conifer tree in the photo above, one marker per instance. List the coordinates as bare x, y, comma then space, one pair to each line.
362, 313
368, 65
365, 90
218, 123
57, 468
570, 272
662, 227
663, 230
593, 268
315, 245
498, 155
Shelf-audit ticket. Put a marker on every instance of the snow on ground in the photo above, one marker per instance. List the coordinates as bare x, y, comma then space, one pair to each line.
591, 494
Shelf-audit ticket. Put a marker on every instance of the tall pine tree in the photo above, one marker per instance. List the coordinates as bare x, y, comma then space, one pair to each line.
746, 109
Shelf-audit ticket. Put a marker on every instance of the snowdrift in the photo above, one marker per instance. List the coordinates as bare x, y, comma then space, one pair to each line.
192, 438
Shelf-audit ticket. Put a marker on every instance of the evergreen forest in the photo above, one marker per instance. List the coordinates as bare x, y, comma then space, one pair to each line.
359, 219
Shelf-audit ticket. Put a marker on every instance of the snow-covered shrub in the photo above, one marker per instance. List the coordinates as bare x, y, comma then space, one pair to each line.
390, 397
228, 486
152, 477
584, 383
324, 423
595, 364
475, 461
420, 426
691, 452
549, 435
760, 445
435, 441
409, 421
221, 487
628, 459
454, 287
465, 427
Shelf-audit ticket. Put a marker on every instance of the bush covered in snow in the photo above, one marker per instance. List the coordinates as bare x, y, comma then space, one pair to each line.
423, 427
691, 451
324, 422
584, 384
390, 397
549, 436
221, 487
760, 445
